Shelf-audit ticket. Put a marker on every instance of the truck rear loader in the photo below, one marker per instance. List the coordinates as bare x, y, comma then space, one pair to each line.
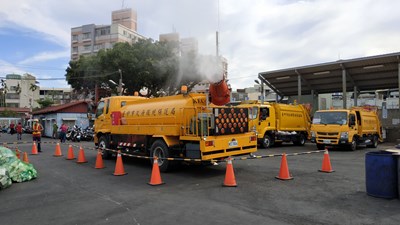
346, 128
184, 126
276, 123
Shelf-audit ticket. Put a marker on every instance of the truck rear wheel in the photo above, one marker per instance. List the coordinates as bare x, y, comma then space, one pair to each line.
160, 149
103, 144
374, 142
301, 140
267, 141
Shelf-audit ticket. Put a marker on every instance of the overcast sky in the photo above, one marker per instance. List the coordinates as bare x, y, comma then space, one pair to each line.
255, 35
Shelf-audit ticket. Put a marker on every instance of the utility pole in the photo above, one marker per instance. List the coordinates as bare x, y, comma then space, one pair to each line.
120, 82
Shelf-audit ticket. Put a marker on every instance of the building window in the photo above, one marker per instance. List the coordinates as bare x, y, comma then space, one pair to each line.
74, 37
125, 33
86, 48
86, 36
74, 49
98, 46
103, 31
12, 96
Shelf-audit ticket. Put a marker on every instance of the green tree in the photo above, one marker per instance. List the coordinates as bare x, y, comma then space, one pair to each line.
146, 64
46, 102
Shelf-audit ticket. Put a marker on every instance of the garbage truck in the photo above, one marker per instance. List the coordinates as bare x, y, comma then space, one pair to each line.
346, 128
190, 127
276, 123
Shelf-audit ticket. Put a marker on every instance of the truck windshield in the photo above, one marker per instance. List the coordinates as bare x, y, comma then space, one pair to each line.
100, 108
339, 118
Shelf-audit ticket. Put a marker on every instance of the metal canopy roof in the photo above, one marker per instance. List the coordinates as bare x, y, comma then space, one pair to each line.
368, 73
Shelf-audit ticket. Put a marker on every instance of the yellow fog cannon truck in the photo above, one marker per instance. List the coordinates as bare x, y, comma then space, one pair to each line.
276, 123
346, 128
184, 126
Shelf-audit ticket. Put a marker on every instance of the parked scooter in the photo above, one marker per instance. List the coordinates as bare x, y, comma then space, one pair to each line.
76, 134
88, 134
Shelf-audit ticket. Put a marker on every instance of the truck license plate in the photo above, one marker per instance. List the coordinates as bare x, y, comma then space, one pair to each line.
233, 143
327, 141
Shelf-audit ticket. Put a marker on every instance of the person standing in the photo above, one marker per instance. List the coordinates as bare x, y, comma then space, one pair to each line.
63, 132
37, 133
12, 128
55, 130
19, 131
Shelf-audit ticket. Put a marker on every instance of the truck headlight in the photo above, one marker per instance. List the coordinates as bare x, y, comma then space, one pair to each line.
313, 134
344, 135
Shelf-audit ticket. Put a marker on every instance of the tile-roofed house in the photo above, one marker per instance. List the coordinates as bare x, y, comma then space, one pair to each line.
73, 113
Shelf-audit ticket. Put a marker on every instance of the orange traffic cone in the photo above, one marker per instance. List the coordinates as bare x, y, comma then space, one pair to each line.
99, 161
284, 171
57, 152
17, 153
119, 167
34, 149
81, 156
230, 180
25, 158
326, 163
70, 155
155, 174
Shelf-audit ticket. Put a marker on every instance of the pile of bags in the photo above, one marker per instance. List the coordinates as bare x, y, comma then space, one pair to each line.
14, 170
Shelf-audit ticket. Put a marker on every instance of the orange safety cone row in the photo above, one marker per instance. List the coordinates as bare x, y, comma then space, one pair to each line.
81, 156
284, 170
326, 163
25, 158
70, 155
119, 167
155, 174
17, 153
34, 149
57, 152
99, 161
230, 180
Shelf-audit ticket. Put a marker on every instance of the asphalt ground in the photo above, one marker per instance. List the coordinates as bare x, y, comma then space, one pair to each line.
66, 192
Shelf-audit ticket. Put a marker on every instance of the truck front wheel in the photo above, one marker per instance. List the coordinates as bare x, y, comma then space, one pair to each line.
353, 145
103, 145
267, 141
160, 149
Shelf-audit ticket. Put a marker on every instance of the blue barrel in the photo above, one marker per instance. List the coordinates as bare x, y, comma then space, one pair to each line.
381, 174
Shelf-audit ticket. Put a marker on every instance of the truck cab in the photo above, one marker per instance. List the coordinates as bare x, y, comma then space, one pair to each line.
345, 128
276, 123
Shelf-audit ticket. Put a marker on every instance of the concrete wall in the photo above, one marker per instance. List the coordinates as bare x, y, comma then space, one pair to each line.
390, 124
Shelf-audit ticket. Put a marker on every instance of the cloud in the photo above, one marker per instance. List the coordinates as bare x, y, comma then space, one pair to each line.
46, 56
255, 36
8, 68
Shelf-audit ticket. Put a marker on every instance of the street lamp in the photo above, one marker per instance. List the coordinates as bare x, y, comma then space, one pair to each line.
120, 84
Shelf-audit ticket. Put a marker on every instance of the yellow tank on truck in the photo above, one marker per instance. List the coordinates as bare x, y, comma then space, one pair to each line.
276, 123
182, 127
346, 128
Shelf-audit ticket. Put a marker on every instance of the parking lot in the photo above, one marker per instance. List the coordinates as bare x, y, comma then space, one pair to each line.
69, 193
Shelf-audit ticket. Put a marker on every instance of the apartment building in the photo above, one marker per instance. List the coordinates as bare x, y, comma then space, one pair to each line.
19, 91
57, 95
186, 45
89, 39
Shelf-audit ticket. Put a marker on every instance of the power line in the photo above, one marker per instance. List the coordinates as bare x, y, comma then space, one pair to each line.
73, 78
